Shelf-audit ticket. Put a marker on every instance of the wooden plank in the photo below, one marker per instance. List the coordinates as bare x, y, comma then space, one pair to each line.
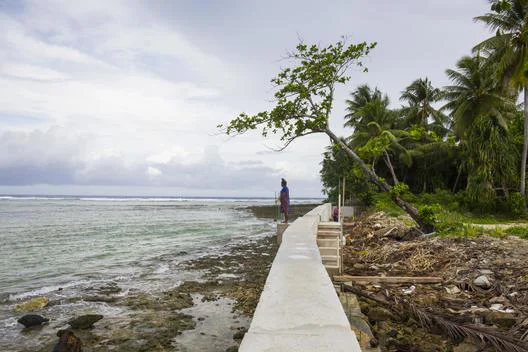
390, 279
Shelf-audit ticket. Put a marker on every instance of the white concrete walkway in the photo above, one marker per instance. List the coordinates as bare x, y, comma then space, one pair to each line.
299, 309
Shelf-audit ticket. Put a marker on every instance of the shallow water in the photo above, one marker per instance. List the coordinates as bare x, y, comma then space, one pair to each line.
62, 247
215, 326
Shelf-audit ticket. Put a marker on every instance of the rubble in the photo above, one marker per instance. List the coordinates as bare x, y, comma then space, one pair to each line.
485, 279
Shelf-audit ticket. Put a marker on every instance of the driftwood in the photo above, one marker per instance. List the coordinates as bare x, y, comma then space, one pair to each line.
390, 279
453, 330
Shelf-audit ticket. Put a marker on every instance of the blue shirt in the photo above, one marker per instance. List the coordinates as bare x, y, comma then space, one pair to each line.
287, 191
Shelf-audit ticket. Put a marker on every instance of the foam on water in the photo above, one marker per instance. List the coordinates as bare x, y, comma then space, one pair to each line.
162, 269
45, 290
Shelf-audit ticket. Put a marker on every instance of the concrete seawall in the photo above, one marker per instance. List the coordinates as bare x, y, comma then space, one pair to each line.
299, 309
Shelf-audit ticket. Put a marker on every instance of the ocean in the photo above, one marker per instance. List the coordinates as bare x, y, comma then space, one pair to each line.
61, 246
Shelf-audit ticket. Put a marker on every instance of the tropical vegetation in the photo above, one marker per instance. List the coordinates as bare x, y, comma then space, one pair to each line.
464, 145
467, 141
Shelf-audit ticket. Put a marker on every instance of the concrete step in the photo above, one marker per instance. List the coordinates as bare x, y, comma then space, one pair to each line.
331, 265
329, 232
330, 223
330, 261
328, 242
331, 256
327, 236
329, 250
323, 226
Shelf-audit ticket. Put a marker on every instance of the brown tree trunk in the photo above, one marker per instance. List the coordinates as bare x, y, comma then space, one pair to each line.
384, 186
506, 190
389, 165
525, 144
456, 181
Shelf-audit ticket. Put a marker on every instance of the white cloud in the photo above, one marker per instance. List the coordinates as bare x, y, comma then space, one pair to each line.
128, 92
25, 71
56, 157
153, 171
175, 153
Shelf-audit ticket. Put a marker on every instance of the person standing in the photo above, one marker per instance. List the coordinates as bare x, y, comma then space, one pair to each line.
284, 199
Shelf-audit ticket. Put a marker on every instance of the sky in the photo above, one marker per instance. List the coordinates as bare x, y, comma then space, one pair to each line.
123, 97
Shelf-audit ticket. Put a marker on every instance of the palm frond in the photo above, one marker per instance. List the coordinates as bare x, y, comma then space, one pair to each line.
453, 330
458, 332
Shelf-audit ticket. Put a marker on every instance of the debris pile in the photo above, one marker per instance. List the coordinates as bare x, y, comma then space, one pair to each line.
482, 297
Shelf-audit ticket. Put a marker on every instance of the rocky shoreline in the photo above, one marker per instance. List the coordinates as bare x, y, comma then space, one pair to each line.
211, 313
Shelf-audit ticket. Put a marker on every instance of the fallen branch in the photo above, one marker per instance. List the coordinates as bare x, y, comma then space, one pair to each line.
390, 279
388, 232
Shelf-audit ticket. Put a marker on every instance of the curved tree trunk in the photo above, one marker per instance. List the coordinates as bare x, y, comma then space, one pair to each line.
525, 144
389, 165
384, 186
456, 180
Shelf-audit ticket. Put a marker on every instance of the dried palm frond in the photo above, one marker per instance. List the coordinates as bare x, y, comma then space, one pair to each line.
421, 260
453, 330
458, 332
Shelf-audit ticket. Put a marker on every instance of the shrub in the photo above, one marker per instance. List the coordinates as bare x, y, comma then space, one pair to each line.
470, 231
516, 204
399, 189
521, 231
382, 201
428, 214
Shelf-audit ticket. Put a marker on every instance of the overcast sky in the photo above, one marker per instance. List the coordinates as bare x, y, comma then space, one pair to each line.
123, 97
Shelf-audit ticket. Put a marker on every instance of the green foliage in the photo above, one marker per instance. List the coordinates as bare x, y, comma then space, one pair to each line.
374, 147
520, 231
451, 218
399, 189
470, 231
420, 97
337, 165
305, 94
481, 114
500, 6
383, 202
517, 204
428, 213
497, 232
506, 51
490, 160
443, 198
364, 104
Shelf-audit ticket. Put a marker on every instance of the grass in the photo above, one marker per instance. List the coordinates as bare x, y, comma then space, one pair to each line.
520, 231
453, 220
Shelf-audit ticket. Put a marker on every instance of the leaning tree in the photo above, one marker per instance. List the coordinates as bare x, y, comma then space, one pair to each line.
304, 100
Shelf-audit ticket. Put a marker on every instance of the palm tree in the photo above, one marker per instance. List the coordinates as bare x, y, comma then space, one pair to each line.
508, 50
473, 94
375, 128
420, 96
481, 118
385, 142
361, 97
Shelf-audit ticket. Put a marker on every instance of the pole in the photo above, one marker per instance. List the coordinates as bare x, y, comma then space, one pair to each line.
277, 214
339, 207
343, 199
